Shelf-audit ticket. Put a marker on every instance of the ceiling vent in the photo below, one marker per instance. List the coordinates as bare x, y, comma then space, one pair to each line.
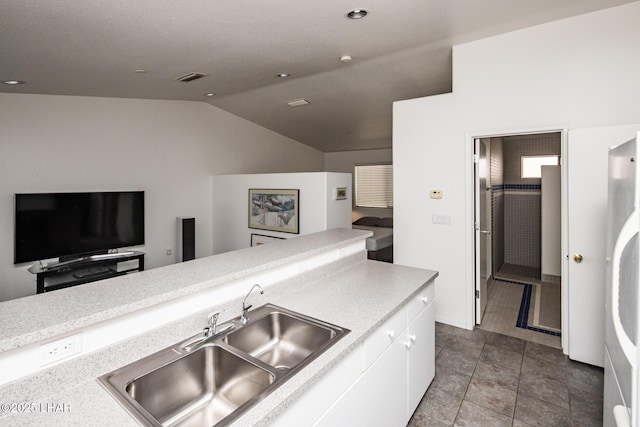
298, 103
191, 77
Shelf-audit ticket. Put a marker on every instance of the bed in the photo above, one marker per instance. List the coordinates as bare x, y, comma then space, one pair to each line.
380, 245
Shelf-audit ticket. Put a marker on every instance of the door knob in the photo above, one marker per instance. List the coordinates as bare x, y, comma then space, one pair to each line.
578, 258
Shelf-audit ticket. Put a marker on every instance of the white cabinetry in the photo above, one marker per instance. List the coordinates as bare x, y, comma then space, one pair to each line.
394, 365
421, 358
386, 384
349, 410
324, 394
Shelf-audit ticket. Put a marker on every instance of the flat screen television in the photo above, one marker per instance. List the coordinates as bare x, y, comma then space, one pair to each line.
66, 225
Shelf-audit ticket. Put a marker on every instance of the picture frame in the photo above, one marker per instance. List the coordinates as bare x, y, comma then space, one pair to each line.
341, 193
263, 239
275, 210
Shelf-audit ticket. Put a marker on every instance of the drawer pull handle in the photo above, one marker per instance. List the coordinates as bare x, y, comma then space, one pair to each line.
425, 299
391, 333
412, 338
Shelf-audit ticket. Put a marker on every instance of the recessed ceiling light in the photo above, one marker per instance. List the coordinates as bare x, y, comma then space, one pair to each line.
357, 14
13, 82
345, 58
209, 94
283, 75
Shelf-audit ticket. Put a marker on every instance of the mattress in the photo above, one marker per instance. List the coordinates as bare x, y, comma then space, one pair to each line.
382, 237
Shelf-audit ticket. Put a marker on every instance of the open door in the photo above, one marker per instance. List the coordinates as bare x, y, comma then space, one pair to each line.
586, 257
482, 224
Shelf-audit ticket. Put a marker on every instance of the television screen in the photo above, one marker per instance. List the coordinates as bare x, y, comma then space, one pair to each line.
52, 225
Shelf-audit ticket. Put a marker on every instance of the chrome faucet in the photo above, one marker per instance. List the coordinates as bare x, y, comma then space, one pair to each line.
211, 327
245, 307
209, 330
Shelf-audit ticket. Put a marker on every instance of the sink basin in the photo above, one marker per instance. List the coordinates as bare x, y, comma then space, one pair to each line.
200, 388
221, 377
280, 339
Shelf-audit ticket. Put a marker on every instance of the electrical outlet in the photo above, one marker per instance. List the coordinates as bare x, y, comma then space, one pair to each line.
169, 251
436, 194
60, 349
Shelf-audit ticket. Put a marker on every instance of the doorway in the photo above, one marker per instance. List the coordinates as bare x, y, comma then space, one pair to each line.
518, 236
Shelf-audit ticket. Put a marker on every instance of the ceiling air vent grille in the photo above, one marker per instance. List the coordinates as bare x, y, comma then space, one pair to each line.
191, 77
298, 103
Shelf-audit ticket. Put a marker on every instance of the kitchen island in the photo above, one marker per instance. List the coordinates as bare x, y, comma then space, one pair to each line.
325, 275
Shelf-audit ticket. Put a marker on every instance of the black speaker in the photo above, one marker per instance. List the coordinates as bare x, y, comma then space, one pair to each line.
186, 246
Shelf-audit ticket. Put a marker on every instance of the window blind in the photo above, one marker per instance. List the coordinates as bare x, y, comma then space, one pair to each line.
374, 186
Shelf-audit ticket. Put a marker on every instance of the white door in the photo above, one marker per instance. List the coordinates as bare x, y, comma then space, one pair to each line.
482, 224
587, 157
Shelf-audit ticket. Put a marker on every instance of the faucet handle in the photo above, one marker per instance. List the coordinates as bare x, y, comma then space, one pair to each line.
212, 321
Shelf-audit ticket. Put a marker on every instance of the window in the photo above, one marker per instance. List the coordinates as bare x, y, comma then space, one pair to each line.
374, 186
532, 165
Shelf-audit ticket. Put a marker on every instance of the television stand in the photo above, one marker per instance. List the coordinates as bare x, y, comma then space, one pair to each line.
85, 270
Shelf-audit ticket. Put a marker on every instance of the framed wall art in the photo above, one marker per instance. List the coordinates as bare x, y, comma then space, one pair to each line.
341, 193
275, 210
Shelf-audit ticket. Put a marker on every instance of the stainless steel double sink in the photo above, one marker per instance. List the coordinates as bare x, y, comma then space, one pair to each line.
220, 378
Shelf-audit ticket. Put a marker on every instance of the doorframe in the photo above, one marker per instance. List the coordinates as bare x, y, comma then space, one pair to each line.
470, 253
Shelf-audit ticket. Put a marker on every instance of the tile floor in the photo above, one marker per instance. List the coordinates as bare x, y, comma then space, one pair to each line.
488, 379
501, 314
519, 272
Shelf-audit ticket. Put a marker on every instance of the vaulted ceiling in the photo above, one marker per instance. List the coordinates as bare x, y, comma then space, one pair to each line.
400, 50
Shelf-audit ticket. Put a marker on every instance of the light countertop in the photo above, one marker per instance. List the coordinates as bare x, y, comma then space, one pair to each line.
353, 293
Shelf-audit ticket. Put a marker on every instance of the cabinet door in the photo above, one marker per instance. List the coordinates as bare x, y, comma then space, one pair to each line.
321, 396
349, 410
421, 358
386, 385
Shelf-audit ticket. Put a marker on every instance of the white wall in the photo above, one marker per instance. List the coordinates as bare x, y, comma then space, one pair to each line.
318, 209
169, 149
578, 72
345, 161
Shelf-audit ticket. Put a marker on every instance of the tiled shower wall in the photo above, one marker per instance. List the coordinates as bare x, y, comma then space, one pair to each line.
497, 202
522, 197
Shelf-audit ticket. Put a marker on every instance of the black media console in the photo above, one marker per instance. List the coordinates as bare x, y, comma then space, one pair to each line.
85, 270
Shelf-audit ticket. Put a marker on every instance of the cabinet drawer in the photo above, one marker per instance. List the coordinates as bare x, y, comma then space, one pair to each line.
382, 337
420, 301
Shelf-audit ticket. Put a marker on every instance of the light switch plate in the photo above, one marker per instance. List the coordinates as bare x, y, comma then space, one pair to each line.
441, 219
